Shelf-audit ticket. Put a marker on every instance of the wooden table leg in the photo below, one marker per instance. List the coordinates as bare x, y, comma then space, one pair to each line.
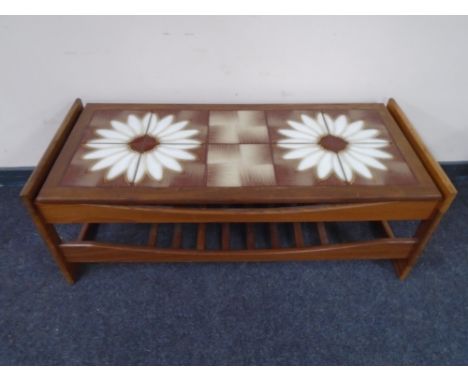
52, 240
423, 234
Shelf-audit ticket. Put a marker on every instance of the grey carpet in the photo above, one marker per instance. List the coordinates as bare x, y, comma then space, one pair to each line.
301, 313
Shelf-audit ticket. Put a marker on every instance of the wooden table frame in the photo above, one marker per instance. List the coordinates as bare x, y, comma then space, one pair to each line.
403, 251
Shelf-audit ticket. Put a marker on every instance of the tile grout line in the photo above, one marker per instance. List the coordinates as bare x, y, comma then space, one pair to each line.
205, 174
141, 155
337, 155
270, 144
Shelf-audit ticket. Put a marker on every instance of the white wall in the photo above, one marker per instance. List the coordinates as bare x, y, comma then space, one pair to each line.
46, 62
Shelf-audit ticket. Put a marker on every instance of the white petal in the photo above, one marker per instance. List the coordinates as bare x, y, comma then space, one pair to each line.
122, 128
173, 128
373, 143
314, 125
108, 161
340, 125
369, 151
310, 161
185, 142
97, 143
348, 172
181, 146
145, 121
369, 161
357, 166
178, 135
329, 123
362, 135
141, 169
153, 167
352, 128
112, 134
301, 152
325, 165
178, 153
161, 125
167, 161
293, 143
298, 135
120, 166
104, 152
132, 167
136, 124
337, 167
303, 128
152, 123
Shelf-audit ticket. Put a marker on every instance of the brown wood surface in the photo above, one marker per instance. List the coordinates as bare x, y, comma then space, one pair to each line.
250, 236
427, 227
322, 231
50, 203
101, 252
274, 237
298, 237
440, 178
387, 229
153, 235
177, 236
201, 236
33, 186
53, 192
225, 236
82, 213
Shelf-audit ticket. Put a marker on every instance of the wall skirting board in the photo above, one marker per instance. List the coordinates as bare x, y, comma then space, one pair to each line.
17, 176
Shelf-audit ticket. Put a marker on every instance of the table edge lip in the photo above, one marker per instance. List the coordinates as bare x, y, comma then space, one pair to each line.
47, 194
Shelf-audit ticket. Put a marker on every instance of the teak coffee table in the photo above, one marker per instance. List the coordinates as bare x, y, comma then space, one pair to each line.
236, 165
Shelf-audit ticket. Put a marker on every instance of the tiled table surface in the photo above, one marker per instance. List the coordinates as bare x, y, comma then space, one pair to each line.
235, 148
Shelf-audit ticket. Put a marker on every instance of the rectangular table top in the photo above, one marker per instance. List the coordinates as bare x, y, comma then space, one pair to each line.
182, 154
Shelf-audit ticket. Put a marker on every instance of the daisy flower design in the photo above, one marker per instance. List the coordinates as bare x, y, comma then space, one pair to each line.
334, 147
142, 147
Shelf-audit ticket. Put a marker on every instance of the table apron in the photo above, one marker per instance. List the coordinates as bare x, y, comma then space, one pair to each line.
99, 213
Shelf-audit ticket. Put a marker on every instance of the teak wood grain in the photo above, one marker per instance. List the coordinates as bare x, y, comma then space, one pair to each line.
103, 252
427, 227
96, 213
50, 203
54, 192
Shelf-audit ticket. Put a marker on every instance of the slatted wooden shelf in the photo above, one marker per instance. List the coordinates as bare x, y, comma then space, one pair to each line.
254, 183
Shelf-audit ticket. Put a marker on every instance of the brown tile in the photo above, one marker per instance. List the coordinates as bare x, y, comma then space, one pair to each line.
191, 172
240, 126
288, 172
79, 174
371, 120
279, 120
102, 119
395, 172
243, 165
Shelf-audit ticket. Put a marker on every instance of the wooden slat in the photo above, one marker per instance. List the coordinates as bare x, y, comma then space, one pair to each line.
298, 237
35, 181
201, 236
322, 231
432, 166
250, 236
177, 236
87, 232
82, 213
153, 235
33, 185
225, 236
387, 229
428, 225
88, 252
274, 237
